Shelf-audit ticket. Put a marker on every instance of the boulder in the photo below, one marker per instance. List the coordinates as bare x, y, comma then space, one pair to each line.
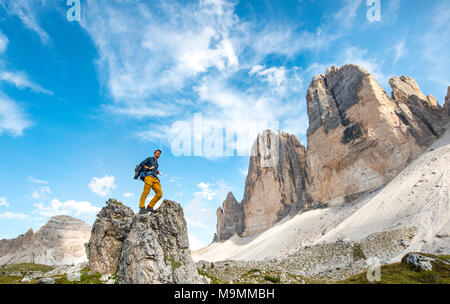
46, 281
107, 236
156, 249
419, 262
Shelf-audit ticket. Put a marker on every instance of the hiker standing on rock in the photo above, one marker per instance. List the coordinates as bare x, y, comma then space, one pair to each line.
149, 174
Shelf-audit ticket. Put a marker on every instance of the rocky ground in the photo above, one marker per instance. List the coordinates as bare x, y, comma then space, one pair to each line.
328, 262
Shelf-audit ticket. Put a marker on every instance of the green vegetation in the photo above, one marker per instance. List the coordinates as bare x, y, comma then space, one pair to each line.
401, 273
274, 280
174, 263
86, 278
14, 273
24, 268
254, 270
213, 279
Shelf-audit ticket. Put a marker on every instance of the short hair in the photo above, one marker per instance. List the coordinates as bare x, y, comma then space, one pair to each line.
157, 151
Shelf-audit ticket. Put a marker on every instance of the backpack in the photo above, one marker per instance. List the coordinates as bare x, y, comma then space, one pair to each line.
137, 172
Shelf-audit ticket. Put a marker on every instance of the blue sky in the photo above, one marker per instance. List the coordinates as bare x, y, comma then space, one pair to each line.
82, 102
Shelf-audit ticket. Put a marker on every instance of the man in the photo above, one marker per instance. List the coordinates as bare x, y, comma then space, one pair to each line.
151, 180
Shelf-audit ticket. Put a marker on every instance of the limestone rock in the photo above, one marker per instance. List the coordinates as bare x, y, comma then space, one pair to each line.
418, 261
60, 241
446, 108
156, 249
359, 138
276, 182
108, 233
230, 219
46, 281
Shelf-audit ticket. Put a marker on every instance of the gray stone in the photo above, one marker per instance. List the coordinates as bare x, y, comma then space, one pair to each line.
156, 249
419, 262
46, 281
230, 219
108, 233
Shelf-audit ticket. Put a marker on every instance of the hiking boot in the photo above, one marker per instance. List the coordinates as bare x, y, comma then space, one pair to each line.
150, 209
143, 210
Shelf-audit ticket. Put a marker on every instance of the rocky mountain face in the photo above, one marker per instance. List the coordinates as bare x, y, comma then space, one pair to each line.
446, 108
60, 241
275, 184
359, 139
141, 249
230, 219
275, 187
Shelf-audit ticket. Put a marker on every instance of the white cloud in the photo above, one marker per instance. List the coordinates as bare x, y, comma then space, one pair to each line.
243, 172
3, 42
70, 207
436, 43
102, 186
128, 194
201, 210
42, 193
206, 192
34, 180
21, 81
3, 202
12, 117
26, 11
274, 75
175, 44
13, 215
194, 242
400, 50
346, 15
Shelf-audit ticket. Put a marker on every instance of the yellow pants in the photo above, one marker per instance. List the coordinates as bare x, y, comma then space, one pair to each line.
151, 183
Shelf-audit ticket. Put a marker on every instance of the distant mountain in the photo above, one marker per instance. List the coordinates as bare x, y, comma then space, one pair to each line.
60, 241
410, 214
359, 139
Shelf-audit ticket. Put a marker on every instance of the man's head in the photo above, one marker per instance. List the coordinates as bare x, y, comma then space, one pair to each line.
157, 153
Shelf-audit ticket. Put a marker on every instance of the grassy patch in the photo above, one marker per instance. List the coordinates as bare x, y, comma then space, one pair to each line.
174, 263
401, 273
25, 268
274, 280
213, 279
86, 278
254, 270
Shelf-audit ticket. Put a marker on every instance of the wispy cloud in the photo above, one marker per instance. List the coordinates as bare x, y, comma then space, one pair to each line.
346, 15
42, 193
27, 11
70, 207
13, 215
3, 42
4, 202
12, 117
21, 81
34, 180
434, 41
